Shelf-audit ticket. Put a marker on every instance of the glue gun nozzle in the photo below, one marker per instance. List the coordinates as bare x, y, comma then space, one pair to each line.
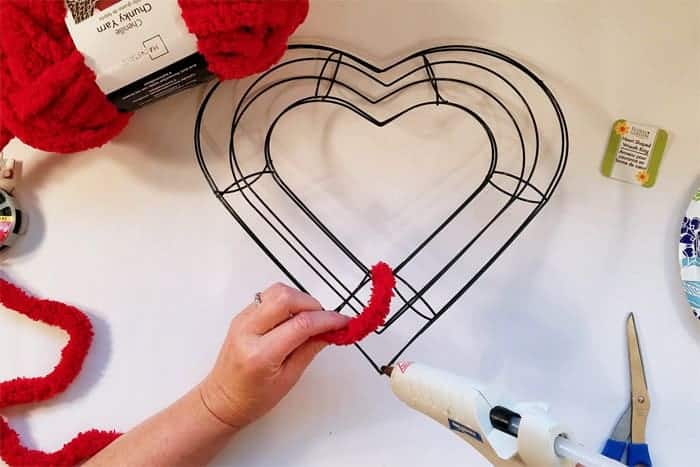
386, 369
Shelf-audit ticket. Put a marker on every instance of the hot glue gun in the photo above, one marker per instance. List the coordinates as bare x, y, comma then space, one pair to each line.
507, 435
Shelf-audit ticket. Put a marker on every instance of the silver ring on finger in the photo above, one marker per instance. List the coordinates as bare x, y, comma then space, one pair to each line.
258, 299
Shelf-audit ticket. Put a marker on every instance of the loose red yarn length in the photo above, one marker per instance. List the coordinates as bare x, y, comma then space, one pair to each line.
79, 329
373, 315
25, 390
48, 95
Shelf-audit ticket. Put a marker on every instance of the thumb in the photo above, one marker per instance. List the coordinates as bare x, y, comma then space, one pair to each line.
301, 358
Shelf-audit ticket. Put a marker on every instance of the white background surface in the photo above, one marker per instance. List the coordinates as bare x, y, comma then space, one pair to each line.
132, 235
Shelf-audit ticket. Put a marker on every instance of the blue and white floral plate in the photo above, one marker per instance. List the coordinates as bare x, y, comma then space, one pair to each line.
689, 254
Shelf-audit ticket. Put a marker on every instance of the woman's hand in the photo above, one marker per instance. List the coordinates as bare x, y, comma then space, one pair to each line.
268, 347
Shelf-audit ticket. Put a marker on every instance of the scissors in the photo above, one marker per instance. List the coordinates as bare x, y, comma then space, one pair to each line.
629, 432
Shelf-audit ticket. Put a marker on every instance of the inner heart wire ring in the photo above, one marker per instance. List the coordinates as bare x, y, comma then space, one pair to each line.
461, 77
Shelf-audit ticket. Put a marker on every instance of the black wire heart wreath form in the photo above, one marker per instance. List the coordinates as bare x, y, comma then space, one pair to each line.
326, 75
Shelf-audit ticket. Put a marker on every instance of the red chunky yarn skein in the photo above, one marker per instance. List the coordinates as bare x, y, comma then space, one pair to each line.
49, 98
241, 38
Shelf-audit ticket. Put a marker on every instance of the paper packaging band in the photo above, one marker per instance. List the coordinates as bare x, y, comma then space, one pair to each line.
140, 50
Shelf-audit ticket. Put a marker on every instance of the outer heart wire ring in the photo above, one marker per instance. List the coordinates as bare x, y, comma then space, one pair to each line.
425, 69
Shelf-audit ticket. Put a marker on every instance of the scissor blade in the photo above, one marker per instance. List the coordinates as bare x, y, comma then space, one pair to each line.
639, 394
623, 427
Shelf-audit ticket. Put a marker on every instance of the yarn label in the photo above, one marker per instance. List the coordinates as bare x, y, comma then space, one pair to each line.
634, 153
140, 50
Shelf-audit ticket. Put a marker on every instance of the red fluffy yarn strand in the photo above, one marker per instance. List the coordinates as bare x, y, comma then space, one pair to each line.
48, 95
25, 390
68, 318
79, 449
373, 315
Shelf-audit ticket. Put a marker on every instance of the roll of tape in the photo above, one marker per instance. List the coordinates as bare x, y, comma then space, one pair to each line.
12, 222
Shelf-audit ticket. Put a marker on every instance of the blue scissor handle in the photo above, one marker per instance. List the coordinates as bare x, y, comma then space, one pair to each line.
638, 454
614, 449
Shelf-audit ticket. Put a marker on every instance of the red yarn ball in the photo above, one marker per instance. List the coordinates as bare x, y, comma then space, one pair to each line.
241, 38
49, 98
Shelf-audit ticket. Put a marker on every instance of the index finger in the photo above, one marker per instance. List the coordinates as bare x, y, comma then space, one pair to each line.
288, 336
278, 303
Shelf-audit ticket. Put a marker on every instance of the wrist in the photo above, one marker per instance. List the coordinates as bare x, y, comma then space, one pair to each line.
211, 408
218, 404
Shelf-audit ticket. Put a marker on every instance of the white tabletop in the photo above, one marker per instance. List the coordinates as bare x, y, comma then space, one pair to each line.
132, 234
